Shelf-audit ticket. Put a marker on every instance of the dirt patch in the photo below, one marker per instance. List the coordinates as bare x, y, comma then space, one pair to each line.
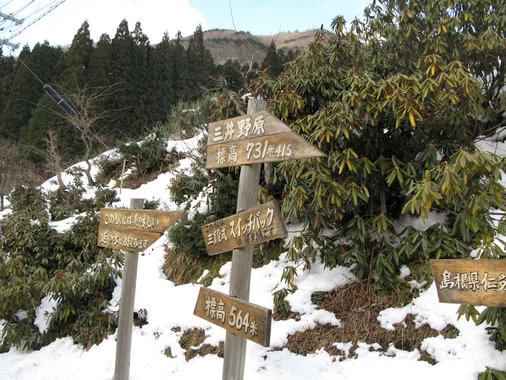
143, 175
192, 341
357, 307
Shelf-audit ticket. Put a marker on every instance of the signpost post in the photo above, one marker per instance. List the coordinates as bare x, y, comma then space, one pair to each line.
248, 140
132, 230
472, 282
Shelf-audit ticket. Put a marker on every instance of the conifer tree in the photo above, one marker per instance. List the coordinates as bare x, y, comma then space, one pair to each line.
233, 75
140, 115
273, 62
123, 73
76, 60
161, 93
100, 69
25, 89
72, 72
6, 71
180, 70
200, 62
100, 76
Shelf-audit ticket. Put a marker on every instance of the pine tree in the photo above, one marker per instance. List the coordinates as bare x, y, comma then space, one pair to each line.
6, 74
72, 72
140, 116
76, 60
180, 70
123, 72
200, 62
129, 57
273, 62
44, 116
100, 68
25, 89
100, 76
161, 93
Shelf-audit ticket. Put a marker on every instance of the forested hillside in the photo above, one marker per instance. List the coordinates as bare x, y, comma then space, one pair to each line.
120, 86
408, 106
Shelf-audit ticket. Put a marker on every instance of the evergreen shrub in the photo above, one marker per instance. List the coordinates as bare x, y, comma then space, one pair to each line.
397, 102
39, 264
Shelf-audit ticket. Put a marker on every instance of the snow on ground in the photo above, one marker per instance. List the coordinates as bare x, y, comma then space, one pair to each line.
170, 312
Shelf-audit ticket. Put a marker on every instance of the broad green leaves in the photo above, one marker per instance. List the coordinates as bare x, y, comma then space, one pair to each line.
396, 103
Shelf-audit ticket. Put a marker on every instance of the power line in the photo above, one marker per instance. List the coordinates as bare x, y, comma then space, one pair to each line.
53, 94
31, 72
17, 27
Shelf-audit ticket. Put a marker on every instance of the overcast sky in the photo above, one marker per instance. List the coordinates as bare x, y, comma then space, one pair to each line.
261, 17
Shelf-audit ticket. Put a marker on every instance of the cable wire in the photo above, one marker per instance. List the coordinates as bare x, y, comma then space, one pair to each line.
16, 30
35, 75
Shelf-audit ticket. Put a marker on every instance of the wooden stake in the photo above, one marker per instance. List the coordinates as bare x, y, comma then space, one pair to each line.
129, 279
235, 346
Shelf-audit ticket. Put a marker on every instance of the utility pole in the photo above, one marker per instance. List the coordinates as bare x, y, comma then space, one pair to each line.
11, 18
16, 21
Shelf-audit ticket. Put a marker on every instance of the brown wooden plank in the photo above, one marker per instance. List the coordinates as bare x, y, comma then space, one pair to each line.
139, 220
473, 282
125, 239
242, 318
273, 148
248, 126
253, 226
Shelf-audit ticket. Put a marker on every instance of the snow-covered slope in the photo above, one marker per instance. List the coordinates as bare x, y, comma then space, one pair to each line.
170, 312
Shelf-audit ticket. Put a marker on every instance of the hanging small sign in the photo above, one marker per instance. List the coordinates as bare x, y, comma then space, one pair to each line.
255, 138
472, 282
242, 318
253, 226
133, 230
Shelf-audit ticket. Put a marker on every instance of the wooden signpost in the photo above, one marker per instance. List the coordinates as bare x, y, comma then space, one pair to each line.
255, 138
253, 226
131, 230
242, 318
248, 140
472, 282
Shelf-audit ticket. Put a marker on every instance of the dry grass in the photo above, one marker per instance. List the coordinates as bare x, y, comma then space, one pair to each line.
357, 307
182, 268
192, 340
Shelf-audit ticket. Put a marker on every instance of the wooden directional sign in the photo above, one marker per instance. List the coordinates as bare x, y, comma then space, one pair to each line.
133, 230
242, 318
253, 226
255, 138
472, 282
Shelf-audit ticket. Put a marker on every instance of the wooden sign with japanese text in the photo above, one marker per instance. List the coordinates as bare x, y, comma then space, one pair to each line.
242, 318
253, 226
255, 138
124, 239
472, 282
133, 230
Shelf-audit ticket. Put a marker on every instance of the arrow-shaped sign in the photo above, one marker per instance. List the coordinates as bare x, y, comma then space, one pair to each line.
255, 138
253, 226
133, 230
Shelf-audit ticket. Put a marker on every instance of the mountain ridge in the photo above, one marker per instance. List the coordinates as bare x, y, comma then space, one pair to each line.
225, 44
